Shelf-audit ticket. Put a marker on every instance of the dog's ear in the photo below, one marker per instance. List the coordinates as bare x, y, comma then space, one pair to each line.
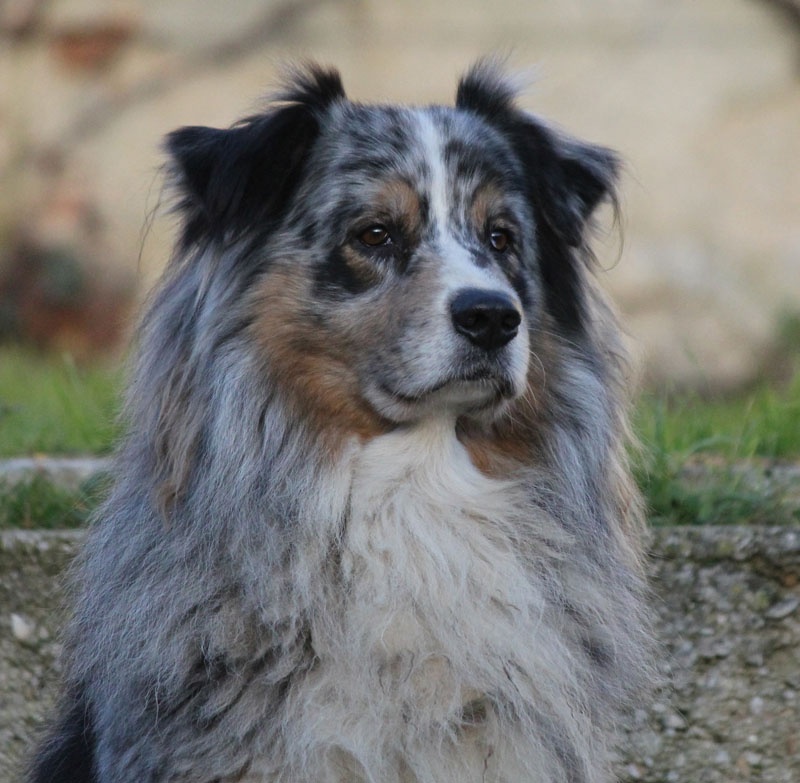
565, 180
242, 178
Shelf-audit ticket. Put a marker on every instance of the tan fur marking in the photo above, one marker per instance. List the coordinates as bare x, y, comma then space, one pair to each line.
495, 452
313, 366
400, 202
486, 203
394, 203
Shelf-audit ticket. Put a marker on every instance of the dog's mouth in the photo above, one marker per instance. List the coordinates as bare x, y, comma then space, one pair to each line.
476, 383
474, 391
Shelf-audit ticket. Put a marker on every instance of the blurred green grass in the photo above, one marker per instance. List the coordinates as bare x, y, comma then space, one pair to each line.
764, 422
38, 503
706, 462
49, 404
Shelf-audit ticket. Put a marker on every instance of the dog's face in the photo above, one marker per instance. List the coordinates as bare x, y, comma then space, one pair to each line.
415, 256
400, 262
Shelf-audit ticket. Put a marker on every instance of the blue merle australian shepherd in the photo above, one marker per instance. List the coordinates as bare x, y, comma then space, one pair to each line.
372, 521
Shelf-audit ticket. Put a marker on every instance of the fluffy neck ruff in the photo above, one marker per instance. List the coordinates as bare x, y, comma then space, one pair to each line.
451, 644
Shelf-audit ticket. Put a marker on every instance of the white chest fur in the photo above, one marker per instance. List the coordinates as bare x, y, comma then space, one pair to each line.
438, 643
428, 535
435, 604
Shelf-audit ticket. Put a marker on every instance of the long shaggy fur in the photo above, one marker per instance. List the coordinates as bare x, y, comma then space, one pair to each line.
351, 538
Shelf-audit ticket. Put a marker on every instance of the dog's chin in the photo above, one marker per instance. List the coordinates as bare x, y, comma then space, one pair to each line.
485, 397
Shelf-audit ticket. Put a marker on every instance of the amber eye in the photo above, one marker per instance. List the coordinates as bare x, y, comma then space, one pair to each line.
375, 236
499, 239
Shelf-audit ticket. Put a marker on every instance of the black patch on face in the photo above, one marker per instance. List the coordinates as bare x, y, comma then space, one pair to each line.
336, 275
519, 283
463, 159
562, 290
566, 181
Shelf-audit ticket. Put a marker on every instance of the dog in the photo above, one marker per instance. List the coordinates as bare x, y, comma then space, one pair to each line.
372, 520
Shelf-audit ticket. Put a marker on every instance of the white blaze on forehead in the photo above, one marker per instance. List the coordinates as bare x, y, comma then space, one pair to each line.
439, 198
459, 268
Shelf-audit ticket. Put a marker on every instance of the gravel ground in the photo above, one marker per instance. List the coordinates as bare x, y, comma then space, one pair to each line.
727, 603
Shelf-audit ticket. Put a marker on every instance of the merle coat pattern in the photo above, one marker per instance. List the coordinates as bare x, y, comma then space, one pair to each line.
372, 520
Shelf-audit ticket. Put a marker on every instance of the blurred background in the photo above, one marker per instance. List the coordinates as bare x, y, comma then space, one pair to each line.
701, 97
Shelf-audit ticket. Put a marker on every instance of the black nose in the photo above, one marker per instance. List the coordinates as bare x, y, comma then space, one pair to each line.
487, 319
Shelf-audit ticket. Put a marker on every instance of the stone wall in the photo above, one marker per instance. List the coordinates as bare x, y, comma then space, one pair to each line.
727, 603
702, 97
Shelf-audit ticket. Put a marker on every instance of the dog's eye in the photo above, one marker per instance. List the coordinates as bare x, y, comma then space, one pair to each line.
375, 236
499, 239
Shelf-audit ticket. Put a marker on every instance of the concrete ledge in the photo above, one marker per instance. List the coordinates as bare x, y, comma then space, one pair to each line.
67, 472
728, 616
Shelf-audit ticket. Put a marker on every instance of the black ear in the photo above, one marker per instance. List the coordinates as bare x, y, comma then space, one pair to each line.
565, 181
575, 179
242, 178
567, 177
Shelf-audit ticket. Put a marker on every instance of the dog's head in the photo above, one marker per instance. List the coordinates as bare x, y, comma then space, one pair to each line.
395, 263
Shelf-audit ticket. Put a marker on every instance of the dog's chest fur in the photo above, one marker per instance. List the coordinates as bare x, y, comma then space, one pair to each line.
427, 635
426, 551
